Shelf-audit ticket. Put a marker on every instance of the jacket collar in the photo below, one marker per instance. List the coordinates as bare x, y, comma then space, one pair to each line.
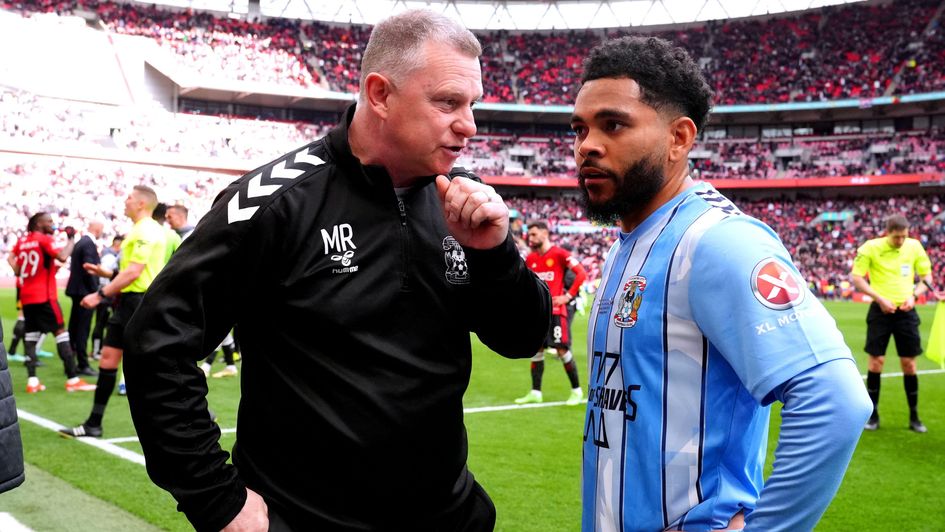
375, 176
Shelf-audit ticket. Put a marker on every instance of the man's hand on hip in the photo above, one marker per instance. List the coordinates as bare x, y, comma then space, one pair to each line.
475, 215
254, 517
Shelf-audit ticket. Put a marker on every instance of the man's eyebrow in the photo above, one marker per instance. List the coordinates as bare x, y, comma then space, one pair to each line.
604, 114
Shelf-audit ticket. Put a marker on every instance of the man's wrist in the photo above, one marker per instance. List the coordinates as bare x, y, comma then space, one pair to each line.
101, 293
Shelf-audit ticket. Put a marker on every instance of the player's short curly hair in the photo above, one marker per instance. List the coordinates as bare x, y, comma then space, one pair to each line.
668, 77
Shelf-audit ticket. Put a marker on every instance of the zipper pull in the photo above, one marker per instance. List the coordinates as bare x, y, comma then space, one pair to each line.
403, 211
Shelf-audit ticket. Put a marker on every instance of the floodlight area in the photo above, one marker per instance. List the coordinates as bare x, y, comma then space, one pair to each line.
543, 15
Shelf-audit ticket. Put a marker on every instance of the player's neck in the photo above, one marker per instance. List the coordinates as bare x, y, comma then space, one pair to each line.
673, 186
545, 247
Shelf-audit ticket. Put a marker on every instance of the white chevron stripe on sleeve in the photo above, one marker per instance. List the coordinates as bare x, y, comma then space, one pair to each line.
257, 189
303, 157
235, 214
279, 171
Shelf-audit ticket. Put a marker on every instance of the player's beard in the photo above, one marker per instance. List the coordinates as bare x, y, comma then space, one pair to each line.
633, 191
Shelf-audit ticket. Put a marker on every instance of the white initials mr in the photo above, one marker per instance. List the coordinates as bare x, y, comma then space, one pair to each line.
339, 240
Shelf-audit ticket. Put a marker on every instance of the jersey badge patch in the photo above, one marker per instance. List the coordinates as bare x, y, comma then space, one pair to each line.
775, 285
457, 271
628, 306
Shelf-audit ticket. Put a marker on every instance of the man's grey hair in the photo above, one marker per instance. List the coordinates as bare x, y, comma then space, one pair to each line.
394, 49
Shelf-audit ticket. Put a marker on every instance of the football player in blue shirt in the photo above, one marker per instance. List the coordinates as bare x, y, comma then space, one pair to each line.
701, 322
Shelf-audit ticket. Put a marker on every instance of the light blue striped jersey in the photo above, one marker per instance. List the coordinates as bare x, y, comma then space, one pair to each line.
700, 315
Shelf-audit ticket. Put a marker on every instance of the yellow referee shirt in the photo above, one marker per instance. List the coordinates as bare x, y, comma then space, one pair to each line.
892, 271
144, 244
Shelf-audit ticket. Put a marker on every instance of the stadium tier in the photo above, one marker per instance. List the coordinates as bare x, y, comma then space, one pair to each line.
71, 148
854, 51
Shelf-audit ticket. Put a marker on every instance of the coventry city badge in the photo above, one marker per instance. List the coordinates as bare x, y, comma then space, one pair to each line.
457, 271
629, 303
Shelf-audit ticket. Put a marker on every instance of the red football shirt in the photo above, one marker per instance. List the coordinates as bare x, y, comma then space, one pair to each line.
550, 267
36, 257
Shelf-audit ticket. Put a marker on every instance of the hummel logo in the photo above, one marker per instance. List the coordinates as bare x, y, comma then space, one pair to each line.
345, 259
256, 189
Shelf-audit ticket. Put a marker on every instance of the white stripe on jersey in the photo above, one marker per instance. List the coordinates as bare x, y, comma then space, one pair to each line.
611, 424
683, 402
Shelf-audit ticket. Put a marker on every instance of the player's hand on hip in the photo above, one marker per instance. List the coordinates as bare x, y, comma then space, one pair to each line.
560, 300
254, 517
908, 305
886, 305
475, 214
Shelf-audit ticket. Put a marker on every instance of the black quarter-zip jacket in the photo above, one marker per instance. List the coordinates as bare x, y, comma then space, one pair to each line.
354, 309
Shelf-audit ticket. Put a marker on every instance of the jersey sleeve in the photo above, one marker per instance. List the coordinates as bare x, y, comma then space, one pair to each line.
862, 261
46, 244
580, 275
751, 303
143, 246
923, 266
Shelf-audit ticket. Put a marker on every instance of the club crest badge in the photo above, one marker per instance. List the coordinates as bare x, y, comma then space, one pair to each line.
628, 305
457, 271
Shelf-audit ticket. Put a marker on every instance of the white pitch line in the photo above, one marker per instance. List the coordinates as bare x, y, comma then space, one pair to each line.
8, 523
899, 373
134, 439
500, 408
110, 448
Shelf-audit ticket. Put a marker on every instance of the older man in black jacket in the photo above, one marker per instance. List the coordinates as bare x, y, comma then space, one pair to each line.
82, 283
355, 269
11, 447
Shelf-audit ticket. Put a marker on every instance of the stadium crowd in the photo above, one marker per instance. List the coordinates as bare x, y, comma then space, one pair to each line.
853, 51
821, 234
38, 120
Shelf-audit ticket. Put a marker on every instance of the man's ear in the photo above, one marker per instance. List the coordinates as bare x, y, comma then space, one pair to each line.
683, 131
377, 91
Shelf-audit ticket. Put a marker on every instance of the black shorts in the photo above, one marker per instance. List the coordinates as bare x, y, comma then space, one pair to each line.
43, 317
559, 333
127, 305
902, 326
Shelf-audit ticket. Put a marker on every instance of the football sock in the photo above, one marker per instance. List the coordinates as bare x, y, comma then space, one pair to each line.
106, 385
571, 369
18, 331
872, 388
538, 369
65, 353
29, 348
228, 354
911, 384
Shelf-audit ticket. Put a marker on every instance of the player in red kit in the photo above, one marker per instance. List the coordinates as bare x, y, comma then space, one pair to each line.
550, 263
34, 262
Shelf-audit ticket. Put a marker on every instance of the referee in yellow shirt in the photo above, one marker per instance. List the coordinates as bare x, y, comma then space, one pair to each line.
892, 263
143, 255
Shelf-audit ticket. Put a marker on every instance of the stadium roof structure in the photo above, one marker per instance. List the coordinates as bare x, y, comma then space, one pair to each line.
536, 15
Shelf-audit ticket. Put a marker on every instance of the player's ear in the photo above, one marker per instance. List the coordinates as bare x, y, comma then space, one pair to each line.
377, 91
683, 134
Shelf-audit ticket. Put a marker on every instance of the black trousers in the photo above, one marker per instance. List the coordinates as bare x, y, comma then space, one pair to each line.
477, 514
80, 323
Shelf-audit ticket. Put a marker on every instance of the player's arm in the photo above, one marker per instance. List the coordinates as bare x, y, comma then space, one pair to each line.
928, 285
62, 254
794, 354
821, 422
510, 307
120, 282
15, 264
184, 315
861, 266
580, 276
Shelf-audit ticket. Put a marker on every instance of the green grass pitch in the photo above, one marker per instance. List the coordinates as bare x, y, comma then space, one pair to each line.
528, 459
